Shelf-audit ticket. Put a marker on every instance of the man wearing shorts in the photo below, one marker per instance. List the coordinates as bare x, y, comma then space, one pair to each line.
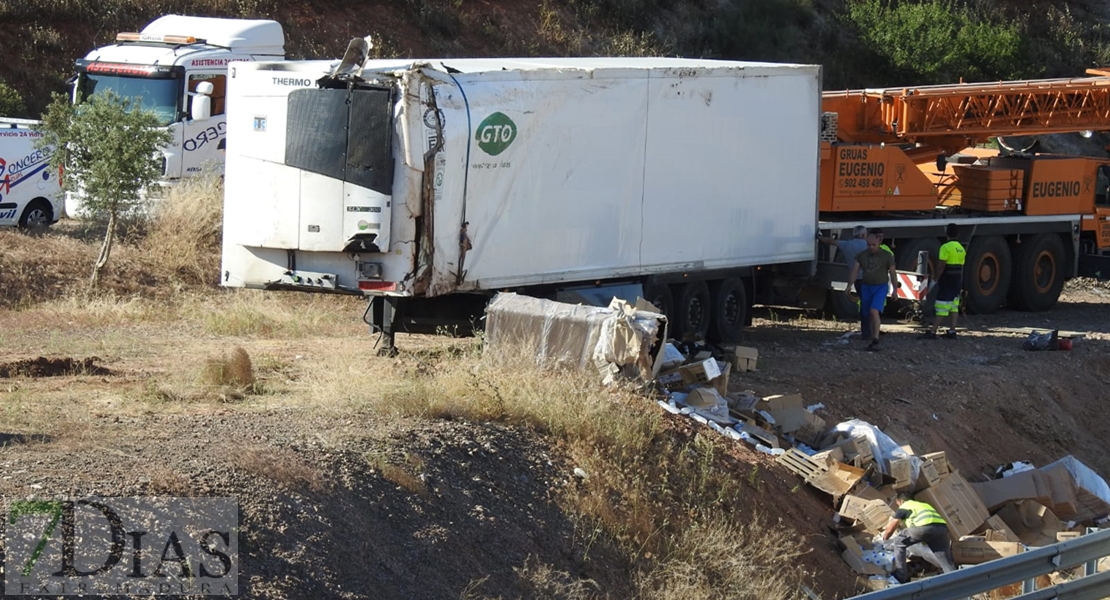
877, 266
949, 274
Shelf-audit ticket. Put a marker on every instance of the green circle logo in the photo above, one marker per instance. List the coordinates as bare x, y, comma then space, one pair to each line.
495, 133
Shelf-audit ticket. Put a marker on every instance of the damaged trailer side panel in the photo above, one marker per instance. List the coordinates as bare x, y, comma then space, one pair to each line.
425, 182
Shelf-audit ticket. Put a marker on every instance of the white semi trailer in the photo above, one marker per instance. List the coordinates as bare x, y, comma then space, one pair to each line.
429, 185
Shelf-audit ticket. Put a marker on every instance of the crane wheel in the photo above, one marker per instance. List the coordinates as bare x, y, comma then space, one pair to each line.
730, 310
1038, 272
987, 274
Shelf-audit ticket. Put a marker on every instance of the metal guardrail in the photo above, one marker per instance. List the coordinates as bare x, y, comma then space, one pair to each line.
964, 583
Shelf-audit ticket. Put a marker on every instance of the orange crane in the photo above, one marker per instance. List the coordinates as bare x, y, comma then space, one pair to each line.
899, 159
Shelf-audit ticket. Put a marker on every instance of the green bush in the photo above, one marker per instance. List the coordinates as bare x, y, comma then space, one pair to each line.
11, 103
940, 41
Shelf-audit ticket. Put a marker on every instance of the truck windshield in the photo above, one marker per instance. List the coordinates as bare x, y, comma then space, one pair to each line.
160, 96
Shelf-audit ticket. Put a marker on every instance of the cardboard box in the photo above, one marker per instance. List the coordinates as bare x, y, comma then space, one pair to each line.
996, 530
873, 515
832, 453
975, 550
672, 358
811, 430
927, 475
788, 411
1062, 489
856, 450
1027, 485
901, 469
743, 359
940, 461
1063, 536
958, 503
853, 555
691, 374
721, 382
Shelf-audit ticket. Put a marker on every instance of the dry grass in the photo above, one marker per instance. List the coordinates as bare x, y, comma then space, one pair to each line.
280, 465
231, 370
665, 499
400, 474
183, 239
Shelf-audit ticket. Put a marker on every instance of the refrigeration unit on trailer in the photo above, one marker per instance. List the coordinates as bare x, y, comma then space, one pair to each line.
429, 185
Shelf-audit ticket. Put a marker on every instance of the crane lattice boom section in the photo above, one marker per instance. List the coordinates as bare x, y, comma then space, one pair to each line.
973, 112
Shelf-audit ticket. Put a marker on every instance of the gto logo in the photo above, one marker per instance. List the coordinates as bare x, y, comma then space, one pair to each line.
495, 133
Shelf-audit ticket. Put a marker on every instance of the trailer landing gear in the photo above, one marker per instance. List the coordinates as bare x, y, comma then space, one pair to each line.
382, 310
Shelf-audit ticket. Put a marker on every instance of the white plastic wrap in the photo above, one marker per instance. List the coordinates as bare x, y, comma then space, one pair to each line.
883, 448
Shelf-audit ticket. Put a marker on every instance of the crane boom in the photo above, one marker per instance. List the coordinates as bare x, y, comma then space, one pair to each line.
952, 117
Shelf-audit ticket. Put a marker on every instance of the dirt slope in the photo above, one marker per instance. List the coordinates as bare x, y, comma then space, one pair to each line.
481, 511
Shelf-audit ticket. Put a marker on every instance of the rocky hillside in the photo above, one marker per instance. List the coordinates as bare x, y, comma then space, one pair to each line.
860, 42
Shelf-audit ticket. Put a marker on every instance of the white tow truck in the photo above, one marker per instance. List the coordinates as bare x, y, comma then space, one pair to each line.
177, 67
30, 190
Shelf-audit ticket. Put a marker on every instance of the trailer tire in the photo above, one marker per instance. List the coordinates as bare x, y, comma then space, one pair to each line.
37, 215
842, 308
693, 311
987, 274
1038, 273
730, 307
660, 295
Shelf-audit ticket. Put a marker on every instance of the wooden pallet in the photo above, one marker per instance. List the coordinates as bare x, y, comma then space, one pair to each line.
801, 464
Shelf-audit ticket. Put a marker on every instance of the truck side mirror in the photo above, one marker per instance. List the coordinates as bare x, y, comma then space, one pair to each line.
201, 106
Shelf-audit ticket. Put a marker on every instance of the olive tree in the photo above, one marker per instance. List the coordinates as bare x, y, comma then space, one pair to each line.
109, 147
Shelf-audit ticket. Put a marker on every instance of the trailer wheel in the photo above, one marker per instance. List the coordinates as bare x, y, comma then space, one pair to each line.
660, 295
692, 311
730, 307
987, 274
841, 307
1038, 273
37, 215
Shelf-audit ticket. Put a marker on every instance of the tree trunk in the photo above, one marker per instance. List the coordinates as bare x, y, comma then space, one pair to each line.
105, 250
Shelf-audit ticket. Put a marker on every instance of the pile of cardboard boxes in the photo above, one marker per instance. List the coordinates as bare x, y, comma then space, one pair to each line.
987, 519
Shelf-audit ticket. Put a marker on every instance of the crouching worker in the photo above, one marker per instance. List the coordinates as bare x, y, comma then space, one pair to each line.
923, 525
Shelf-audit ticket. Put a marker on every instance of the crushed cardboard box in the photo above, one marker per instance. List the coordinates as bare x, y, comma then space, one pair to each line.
687, 375
973, 550
1033, 523
617, 339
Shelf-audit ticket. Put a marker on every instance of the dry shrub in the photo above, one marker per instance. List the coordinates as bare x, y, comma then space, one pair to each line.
231, 370
168, 482
399, 474
538, 580
183, 241
723, 559
279, 465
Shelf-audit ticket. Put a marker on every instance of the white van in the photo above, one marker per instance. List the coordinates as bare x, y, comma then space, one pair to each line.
30, 189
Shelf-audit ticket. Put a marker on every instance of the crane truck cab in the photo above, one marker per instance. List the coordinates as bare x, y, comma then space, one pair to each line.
177, 67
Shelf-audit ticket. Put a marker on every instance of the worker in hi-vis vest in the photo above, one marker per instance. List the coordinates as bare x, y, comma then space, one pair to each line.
923, 525
949, 276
